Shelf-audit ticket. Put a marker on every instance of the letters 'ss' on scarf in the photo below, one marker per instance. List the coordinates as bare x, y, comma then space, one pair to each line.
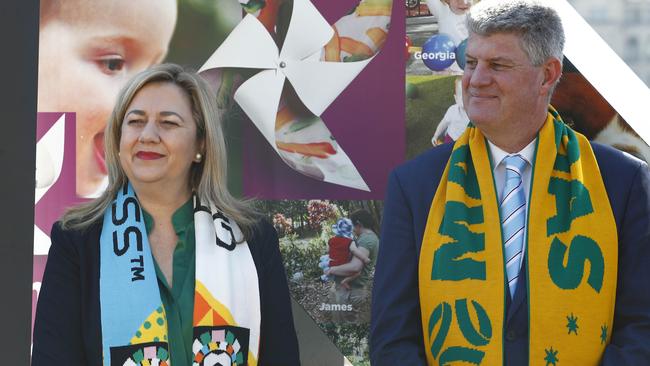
571, 256
226, 317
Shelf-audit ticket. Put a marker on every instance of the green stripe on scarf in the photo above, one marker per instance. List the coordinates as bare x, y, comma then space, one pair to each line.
571, 256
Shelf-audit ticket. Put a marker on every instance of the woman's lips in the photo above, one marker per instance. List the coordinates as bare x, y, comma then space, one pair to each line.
98, 141
148, 155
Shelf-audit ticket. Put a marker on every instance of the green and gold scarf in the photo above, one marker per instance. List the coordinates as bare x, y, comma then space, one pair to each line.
571, 256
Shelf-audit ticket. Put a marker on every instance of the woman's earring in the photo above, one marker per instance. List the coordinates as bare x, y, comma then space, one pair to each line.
198, 157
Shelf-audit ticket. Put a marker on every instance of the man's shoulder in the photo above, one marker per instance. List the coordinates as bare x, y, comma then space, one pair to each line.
418, 178
615, 163
429, 162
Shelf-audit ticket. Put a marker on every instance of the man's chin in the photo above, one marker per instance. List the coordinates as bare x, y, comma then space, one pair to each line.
481, 118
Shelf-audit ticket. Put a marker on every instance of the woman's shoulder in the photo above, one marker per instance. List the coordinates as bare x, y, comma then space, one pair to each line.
262, 232
263, 241
78, 238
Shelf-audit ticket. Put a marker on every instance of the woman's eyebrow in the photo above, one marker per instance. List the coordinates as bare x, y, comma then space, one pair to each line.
136, 111
140, 112
170, 113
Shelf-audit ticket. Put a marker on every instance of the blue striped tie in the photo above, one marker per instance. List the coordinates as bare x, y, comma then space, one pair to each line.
513, 217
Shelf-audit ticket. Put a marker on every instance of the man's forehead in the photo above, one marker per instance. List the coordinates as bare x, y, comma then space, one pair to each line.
497, 47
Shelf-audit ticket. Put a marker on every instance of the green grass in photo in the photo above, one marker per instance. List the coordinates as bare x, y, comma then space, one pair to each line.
433, 95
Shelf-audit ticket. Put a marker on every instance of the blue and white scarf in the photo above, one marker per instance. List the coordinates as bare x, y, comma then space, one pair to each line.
226, 317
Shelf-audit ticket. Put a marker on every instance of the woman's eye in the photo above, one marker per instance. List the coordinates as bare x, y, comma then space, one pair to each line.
111, 64
135, 122
169, 123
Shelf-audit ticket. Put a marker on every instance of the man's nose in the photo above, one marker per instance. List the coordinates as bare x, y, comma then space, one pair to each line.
149, 132
481, 75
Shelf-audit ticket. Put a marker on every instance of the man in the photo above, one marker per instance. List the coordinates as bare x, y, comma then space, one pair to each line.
522, 243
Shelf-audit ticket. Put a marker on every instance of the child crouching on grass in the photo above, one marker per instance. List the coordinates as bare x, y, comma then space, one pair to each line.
341, 248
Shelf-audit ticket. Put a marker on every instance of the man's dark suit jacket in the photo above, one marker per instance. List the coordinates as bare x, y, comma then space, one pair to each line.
67, 329
396, 327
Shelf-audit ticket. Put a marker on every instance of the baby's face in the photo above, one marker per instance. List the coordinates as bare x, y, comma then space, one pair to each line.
459, 7
87, 51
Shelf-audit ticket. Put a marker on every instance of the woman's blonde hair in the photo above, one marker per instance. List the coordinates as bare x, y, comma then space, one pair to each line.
207, 178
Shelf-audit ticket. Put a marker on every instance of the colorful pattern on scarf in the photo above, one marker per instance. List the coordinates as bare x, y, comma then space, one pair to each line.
571, 256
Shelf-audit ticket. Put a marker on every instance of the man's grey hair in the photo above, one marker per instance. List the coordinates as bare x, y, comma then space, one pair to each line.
538, 26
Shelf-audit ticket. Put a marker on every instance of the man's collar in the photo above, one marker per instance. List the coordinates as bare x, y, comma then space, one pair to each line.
497, 154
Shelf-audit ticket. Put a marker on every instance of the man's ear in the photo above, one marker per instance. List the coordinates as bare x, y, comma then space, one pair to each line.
552, 71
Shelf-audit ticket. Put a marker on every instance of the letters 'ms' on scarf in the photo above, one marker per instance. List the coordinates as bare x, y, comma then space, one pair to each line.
571, 256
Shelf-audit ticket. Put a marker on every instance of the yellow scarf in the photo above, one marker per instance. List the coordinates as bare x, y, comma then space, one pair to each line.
571, 256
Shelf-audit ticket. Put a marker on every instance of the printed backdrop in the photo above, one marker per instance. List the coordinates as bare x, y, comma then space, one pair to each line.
84, 60
81, 51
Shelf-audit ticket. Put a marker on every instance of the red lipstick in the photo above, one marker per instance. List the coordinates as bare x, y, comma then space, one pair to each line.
148, 155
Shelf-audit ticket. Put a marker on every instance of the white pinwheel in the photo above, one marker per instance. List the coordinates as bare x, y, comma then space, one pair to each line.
316, 83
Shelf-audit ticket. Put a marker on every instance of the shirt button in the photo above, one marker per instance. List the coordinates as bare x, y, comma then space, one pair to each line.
511, 335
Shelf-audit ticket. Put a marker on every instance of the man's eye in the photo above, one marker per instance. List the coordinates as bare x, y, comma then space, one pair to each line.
500, 66
112, 64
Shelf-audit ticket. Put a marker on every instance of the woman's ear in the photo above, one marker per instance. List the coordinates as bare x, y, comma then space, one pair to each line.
202, 146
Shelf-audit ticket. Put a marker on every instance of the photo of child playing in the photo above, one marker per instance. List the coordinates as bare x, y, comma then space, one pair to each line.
455, 120
434, 103
451, 15
341, 248
329, 249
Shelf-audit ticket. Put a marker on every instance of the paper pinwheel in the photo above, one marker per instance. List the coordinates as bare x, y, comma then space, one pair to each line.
304, 143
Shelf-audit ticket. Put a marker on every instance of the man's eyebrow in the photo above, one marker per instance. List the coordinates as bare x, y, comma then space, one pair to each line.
497, 59
501, 60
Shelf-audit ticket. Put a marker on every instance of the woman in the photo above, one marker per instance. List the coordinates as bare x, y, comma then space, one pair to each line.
354, 291
165, 265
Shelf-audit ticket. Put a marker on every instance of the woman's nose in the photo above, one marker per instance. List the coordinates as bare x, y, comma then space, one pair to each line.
149, 132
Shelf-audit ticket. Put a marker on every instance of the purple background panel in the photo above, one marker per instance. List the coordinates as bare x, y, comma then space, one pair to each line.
367, 120
61, 194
